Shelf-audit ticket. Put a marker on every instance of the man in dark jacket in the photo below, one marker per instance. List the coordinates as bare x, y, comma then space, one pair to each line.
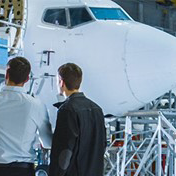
79, 139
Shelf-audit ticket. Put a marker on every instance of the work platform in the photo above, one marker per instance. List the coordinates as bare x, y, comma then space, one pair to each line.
145, 146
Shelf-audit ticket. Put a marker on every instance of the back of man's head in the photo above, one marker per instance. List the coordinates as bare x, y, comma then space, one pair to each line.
18, 69
71, 74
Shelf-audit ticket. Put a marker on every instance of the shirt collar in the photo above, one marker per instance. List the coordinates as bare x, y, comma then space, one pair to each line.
14, 89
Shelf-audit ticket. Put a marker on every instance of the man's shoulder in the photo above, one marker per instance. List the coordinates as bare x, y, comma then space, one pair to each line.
33, 100
77, 104
30, 98
19, 96
66, 104
92, 103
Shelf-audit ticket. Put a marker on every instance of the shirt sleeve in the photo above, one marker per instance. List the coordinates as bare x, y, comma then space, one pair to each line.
64, 141
44, 128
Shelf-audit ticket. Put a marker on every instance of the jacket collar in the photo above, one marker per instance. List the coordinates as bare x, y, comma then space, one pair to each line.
74, 95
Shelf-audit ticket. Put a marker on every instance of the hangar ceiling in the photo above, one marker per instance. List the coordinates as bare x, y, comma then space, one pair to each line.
157, 13
7, 6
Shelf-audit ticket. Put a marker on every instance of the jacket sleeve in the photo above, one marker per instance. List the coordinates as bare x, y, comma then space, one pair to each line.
64, 141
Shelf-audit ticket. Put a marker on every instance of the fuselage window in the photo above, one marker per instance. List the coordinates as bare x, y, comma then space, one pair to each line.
55, 16
109, 13
79, 16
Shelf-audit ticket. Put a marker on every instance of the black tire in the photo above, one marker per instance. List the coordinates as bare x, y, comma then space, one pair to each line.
41, 170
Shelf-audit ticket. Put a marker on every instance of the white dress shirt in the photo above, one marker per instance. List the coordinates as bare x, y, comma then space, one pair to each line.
21, 116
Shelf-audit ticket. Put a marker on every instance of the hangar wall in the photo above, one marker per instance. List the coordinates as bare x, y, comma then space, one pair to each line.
151, 13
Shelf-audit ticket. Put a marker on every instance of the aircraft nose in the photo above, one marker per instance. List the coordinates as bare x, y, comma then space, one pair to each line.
150, 61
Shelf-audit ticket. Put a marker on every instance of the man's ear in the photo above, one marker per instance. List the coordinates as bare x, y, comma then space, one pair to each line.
62, 83
7, 74
27, 79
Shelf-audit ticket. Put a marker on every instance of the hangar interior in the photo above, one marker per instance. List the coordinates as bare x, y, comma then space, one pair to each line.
142, 142
12, 29
144, 147
157, 13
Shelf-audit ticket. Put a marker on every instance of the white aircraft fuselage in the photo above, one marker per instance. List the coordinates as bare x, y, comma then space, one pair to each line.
125, 64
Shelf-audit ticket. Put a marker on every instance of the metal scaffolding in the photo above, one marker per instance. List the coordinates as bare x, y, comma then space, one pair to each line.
144, 152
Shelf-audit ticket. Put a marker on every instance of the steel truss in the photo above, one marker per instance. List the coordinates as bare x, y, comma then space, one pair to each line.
146, 145
148, 152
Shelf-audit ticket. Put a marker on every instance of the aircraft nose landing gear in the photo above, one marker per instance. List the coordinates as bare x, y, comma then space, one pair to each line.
41, 170
42, 161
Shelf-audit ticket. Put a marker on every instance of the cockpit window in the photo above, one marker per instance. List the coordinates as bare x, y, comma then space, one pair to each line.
79, 16
55, 16
109, 13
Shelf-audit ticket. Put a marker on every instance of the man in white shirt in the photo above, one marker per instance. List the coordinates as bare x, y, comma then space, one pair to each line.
21, 116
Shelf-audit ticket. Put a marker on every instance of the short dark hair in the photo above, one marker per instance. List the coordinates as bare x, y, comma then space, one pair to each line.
18, 69
71, 74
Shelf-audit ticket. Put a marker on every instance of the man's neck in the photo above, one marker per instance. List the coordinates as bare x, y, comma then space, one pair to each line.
10, 83
70, 92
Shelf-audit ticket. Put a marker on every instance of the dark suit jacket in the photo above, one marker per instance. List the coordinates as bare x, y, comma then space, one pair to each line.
79, 139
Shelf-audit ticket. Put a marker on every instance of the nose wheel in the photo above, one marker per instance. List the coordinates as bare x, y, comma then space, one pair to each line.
42, 161
41, 170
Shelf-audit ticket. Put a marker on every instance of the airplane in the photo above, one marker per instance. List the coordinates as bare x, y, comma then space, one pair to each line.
126, 64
